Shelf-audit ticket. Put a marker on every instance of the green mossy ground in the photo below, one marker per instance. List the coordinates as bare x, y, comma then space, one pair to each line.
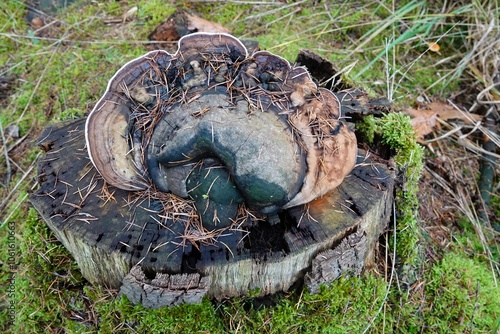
61, 74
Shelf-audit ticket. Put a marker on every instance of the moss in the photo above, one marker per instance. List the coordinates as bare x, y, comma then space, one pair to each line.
46, 281
460, 296
120, 314
457, 279
457, 295
154, 12
465, 296
347, 305
366, 130
395, 131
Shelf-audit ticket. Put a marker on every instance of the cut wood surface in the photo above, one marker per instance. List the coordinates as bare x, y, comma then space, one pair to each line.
110, 231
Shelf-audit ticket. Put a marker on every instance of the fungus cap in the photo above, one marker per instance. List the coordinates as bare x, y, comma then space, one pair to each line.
266, 121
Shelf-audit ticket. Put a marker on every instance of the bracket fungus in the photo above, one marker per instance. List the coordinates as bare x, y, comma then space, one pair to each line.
221, 127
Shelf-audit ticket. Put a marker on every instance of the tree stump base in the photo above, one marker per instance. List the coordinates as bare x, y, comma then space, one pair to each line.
164, 289
119, 241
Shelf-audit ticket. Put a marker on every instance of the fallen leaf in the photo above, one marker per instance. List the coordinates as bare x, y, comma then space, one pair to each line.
424, 119
446, 112
201, 25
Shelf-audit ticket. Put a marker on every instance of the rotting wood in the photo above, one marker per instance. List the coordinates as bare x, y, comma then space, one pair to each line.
163, 289
356, 103
343, 260
182, 23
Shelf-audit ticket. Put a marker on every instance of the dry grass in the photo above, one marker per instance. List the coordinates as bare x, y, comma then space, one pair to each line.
456, 151
448, 187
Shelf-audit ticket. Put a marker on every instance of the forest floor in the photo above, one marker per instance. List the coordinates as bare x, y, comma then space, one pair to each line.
438, 64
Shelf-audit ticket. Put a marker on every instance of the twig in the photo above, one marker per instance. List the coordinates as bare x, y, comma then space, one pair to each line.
8, 173
13, 191
487, 172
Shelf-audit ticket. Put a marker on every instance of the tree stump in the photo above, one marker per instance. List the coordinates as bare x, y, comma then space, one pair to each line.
118, 242
145, 245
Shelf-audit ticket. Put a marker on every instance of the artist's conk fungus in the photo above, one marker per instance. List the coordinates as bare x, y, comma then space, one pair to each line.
217, 125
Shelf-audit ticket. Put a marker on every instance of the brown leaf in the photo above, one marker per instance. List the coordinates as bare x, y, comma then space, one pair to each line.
424, 124
199, 24
446, 112
424, 119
